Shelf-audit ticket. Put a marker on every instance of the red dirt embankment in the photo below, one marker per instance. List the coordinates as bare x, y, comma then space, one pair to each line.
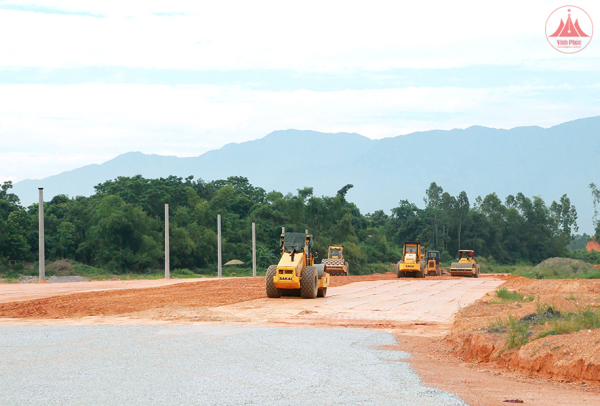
567, 357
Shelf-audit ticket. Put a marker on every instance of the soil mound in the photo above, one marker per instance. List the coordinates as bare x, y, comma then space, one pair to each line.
565, 265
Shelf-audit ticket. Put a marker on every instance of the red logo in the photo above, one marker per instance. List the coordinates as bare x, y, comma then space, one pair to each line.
569, 29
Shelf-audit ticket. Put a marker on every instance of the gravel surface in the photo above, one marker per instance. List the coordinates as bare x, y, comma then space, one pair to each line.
211, 365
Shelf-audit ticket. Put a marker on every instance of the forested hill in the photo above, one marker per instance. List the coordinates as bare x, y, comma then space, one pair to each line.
532, 160
121, 226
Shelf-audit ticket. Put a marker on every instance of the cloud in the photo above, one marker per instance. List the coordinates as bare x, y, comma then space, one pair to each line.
318, 36
96, 121
380, 69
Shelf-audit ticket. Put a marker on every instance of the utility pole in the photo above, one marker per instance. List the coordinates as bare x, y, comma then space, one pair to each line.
42, 259
220, 260
167, 253
253, 249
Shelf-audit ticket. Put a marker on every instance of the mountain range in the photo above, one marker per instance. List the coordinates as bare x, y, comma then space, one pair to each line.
546, 162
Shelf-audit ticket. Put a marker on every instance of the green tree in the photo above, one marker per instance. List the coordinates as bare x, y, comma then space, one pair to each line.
18, 226
462, 210
67, 239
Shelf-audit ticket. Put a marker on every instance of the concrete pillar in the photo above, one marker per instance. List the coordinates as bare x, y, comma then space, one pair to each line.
306, 231
282, 230
220, 260
253, 249
167, 252
42, 258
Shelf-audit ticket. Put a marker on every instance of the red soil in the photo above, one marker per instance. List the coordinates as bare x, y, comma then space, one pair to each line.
593, 245
567, 357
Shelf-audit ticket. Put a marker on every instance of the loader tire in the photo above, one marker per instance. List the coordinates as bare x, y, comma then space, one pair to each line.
421, 273
347, 269
309, 284
322, 292
272, 291
476, 274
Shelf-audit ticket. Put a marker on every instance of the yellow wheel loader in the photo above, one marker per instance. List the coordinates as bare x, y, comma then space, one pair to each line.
335, 264
466, 265
413, 261
433, 263
296, 272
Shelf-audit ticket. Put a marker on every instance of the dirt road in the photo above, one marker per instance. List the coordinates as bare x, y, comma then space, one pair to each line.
396, 303
380, 303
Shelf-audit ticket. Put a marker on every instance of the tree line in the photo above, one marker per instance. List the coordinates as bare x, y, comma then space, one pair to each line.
121, 226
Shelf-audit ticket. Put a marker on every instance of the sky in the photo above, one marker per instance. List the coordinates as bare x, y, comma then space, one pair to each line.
84, 81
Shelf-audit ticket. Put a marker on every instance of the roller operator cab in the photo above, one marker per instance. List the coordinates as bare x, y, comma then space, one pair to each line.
413, 261
466, 265
296, 272
432, 258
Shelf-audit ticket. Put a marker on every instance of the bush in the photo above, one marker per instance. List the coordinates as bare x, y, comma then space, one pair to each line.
518, 333
507, 296
592, 257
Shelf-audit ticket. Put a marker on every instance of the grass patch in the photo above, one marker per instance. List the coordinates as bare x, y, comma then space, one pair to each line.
556, 274
583, 319
547, 323
506, 296
489, 265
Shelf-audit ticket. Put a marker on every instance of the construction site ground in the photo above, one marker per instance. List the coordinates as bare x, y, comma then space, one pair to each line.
437, 320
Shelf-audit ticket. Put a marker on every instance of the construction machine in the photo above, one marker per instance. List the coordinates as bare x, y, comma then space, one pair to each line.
335, 264
413, 261
296, 272
433, 263
466, 265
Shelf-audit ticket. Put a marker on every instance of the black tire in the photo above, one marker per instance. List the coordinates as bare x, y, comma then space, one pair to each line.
309, 284
272, 291
322, 292
421, 273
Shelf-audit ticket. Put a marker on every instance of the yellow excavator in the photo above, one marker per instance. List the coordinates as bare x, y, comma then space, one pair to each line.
466, 265
296, 271
335, 264
413, 261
